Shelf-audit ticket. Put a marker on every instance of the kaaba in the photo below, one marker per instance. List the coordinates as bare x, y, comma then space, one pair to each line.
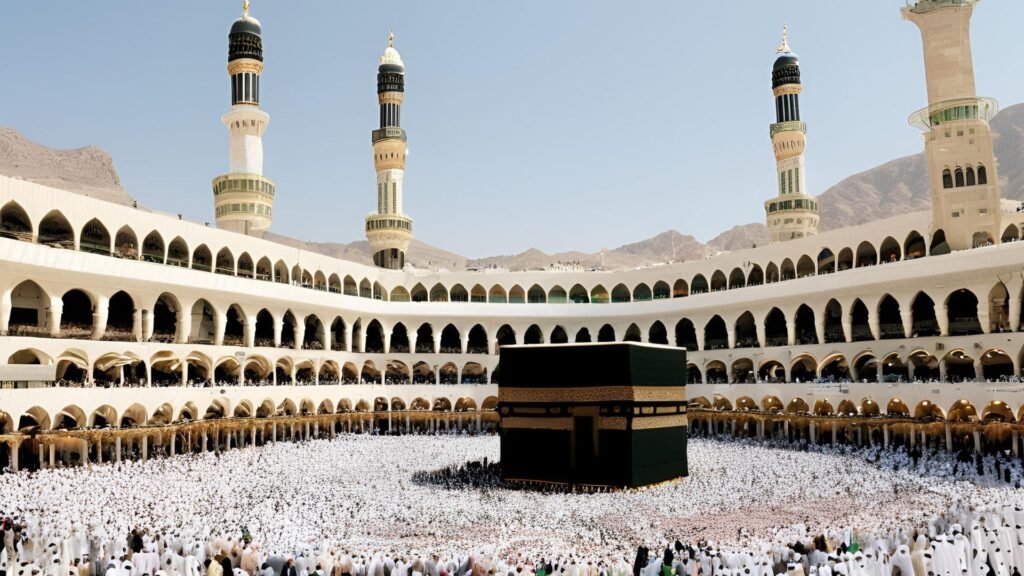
603, 414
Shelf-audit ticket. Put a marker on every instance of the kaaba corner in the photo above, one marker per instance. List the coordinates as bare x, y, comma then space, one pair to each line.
603, 414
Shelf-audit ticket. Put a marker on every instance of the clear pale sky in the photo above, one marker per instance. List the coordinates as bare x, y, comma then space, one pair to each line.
576, 124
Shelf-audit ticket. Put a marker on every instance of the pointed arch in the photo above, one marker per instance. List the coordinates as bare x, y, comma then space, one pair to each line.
746, 331
756, 276
680, 289
400, 294
202, 259
787, 271
225, 262
578, 295
806, 327
661, 290
923, 320
314, 337
599, 295
478, 294
939, 246
559, 336
319, 278
866, 254
536, 295
349, 287
776, 329
1010, 234
860, 325
516, 295
890, 318
451, 340
686, 335
95, 238
459, 294
76, 318
247, 268
177, 252
56, 231
557, 295
962, 313
834, 331
718, 281
642, 293
657, 334
425, 339
533, 335
281, 275
826, 261
914, 246
497, 295
506, 336
805, 267
889, 250
29, 309
419, 293
264, 269
716, 337
606, 334
476, 342
699, 284
438, 293
737, 279
153, 248
15, 223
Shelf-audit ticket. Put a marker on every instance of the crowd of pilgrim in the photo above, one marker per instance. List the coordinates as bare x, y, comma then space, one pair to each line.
367, 505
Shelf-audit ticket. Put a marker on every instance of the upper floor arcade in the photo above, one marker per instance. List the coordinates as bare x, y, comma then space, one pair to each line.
63, 220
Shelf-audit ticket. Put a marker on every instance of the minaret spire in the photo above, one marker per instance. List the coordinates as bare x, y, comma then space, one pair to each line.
784, 47
792, 213
244, 198
389, 230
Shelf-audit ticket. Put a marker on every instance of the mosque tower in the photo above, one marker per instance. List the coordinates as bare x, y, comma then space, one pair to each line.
792, 213
243, 198
957, 137
388, 230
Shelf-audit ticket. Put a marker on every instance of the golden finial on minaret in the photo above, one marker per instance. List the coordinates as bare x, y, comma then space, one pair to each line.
391, 39
785, 40
245, 7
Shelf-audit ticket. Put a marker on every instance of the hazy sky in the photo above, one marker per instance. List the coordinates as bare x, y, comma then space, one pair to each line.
569, 124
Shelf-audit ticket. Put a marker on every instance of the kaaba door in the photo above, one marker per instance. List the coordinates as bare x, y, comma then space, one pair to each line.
584, 456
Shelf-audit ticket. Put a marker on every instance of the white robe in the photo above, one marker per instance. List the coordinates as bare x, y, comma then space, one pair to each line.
901, 562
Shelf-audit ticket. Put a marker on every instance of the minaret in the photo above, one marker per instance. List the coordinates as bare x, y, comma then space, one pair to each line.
388, 229
243, 198
957, 137
792, 213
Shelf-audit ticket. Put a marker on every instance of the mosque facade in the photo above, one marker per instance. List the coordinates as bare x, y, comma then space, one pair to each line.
837, 324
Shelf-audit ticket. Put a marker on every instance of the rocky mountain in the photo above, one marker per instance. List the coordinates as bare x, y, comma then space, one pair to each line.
893, 188
89, 171
665, 247
420, 255
742, 237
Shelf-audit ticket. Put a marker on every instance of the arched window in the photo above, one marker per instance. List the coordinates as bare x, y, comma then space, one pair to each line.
982, 175
970, 176
959, 177
947, 179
